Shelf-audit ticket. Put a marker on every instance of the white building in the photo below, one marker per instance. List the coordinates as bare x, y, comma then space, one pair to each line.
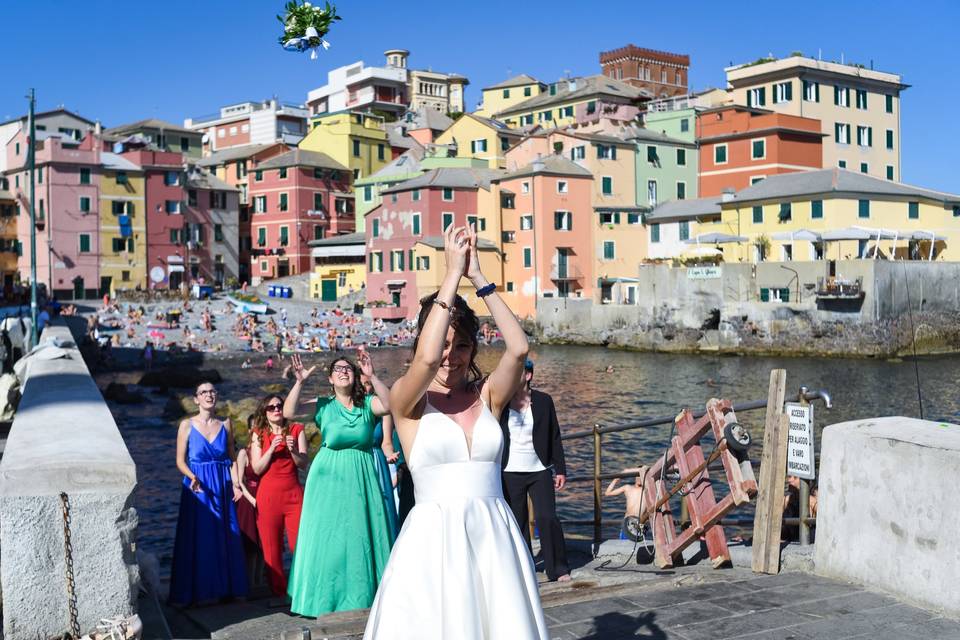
251, 123
674, 222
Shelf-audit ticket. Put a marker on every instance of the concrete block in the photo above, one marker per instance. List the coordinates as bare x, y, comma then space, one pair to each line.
64, 439
889, 508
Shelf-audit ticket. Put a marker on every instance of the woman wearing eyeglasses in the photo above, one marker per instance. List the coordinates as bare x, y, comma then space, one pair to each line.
344, 538
208, 558
277, 450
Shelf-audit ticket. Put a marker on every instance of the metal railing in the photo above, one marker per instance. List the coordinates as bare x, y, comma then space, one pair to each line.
598, 477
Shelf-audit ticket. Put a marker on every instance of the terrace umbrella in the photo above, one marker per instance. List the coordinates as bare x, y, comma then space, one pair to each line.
929, 236
715, 238
848, 233
803, 235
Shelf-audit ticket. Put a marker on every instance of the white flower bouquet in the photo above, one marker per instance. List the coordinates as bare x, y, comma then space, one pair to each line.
304, 26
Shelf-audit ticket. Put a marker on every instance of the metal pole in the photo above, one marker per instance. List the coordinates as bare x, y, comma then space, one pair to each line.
31, 163
804, 492
597, 497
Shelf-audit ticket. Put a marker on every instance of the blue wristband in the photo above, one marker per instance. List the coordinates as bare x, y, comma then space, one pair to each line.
486, 290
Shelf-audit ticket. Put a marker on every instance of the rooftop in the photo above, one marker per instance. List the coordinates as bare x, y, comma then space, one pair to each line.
52, 112
149, 123
580, 88
117, 163
789, 66
501, 127
835, 181
203, 179
408, 162
633, 51
340, 240
425, 118
549, 165
452, 177
301, 158
234, 153
685, 209
515, 81
649, 135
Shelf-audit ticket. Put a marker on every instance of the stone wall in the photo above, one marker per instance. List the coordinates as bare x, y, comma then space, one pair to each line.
889, 510
64, 439
675, 312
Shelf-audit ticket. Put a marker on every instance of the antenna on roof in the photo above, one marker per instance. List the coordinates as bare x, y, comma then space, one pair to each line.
567, 73
819, 53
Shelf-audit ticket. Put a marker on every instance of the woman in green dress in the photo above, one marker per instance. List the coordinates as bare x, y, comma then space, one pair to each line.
344, 538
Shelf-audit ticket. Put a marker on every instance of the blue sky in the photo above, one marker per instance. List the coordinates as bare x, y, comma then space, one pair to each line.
124, 61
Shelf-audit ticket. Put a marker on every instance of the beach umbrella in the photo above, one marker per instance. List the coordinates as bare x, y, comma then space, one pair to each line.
714, 238
803, 235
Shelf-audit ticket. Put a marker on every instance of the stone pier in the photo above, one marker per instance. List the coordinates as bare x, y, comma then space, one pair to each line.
64, 440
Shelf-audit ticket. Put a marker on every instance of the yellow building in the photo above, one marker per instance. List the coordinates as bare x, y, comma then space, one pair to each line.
508, 93
123, 216
577, 101
355, 140
482, 138
9, 244
833, 214
339, 266
429, 251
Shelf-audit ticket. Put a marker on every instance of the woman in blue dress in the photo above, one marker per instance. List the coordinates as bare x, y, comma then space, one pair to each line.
208, 559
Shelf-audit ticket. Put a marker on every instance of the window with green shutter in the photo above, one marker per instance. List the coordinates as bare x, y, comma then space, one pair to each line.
380, 151
913, 210
758, 215
262, 237
218, 232
415, 195
526, 92
416, 224
652, 154
758, 149
283, 202
889, 138
889, 172
681, 190
448, 194
258, 175
684, 230
591, 106
84, 243
816, 209
864, 167
609, 250
861, 98
607, 185
282, 173
122, 177
318, 202
356, 148
375, 228
506, 93
681, 157
84, 175
655, 232
889, 105
85, 204
527, 257
720, 154
447, 220
284, 236
863, 209
367, 193
786, 211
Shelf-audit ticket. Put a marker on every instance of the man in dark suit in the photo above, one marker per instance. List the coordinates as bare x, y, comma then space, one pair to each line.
533, 465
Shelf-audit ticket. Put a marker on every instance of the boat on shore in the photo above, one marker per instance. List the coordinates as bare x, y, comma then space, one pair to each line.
247, 303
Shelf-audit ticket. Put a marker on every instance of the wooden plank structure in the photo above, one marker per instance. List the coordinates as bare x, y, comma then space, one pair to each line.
768, 520
686, 456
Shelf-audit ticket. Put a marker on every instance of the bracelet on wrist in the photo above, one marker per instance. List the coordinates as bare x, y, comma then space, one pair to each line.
443, 305
486, 290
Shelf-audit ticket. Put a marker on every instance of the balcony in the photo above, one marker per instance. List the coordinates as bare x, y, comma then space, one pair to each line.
565, 272
833, 288
389, 313
316, 213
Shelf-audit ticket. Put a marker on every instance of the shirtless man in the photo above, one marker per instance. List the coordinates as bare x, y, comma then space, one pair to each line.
634, 494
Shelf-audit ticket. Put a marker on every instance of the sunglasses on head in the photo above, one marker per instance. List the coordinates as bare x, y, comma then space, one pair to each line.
274, 407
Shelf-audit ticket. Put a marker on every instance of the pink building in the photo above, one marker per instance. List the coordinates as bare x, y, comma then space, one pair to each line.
296, 197
67, 208
164, 177
211, 228
408, 227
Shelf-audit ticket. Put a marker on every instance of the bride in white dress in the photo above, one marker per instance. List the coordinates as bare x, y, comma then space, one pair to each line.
460, 567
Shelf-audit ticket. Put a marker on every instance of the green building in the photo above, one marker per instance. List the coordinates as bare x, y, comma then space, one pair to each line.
666, 166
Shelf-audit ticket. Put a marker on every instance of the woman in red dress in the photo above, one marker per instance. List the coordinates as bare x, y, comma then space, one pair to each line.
277, 450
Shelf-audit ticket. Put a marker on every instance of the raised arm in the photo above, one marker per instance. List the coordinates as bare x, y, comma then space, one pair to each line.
300, 375
381, 398
506, 378
410, 388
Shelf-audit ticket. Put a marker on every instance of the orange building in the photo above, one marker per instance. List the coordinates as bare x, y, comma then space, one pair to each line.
548, 227
743, 145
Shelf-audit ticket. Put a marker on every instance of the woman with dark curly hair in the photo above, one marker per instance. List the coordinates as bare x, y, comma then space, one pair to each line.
460, 567
344, 538
277, 450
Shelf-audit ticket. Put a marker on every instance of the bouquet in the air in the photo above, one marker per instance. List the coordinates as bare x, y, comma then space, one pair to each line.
304, 26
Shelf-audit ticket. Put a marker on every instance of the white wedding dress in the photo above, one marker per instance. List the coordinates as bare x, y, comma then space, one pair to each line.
460, 568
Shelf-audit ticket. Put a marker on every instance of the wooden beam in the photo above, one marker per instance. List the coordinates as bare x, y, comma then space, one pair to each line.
773, 468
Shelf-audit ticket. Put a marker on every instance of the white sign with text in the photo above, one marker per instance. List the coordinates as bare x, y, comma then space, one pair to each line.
703, 273
800, 460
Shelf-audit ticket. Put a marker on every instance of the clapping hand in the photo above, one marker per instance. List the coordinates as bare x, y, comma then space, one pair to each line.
456, 248
473, 264
291, 443
300, 374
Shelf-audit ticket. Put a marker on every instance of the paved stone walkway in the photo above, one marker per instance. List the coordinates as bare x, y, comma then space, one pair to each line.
686, 604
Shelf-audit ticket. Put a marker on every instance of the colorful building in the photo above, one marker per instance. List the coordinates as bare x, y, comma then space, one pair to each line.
211, 225
743, 145
339, 266
507, 94
793, 216
666, 168
164, 197
9, 241
358, 87
165, 136
246, 123
423, 126
297, 197
234, 166
858, 108
67, 205
673, 222
404, 236
123, 225
352, 139
677, 122
59, 121
548, 233
473, 136
660, 73
577, 101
